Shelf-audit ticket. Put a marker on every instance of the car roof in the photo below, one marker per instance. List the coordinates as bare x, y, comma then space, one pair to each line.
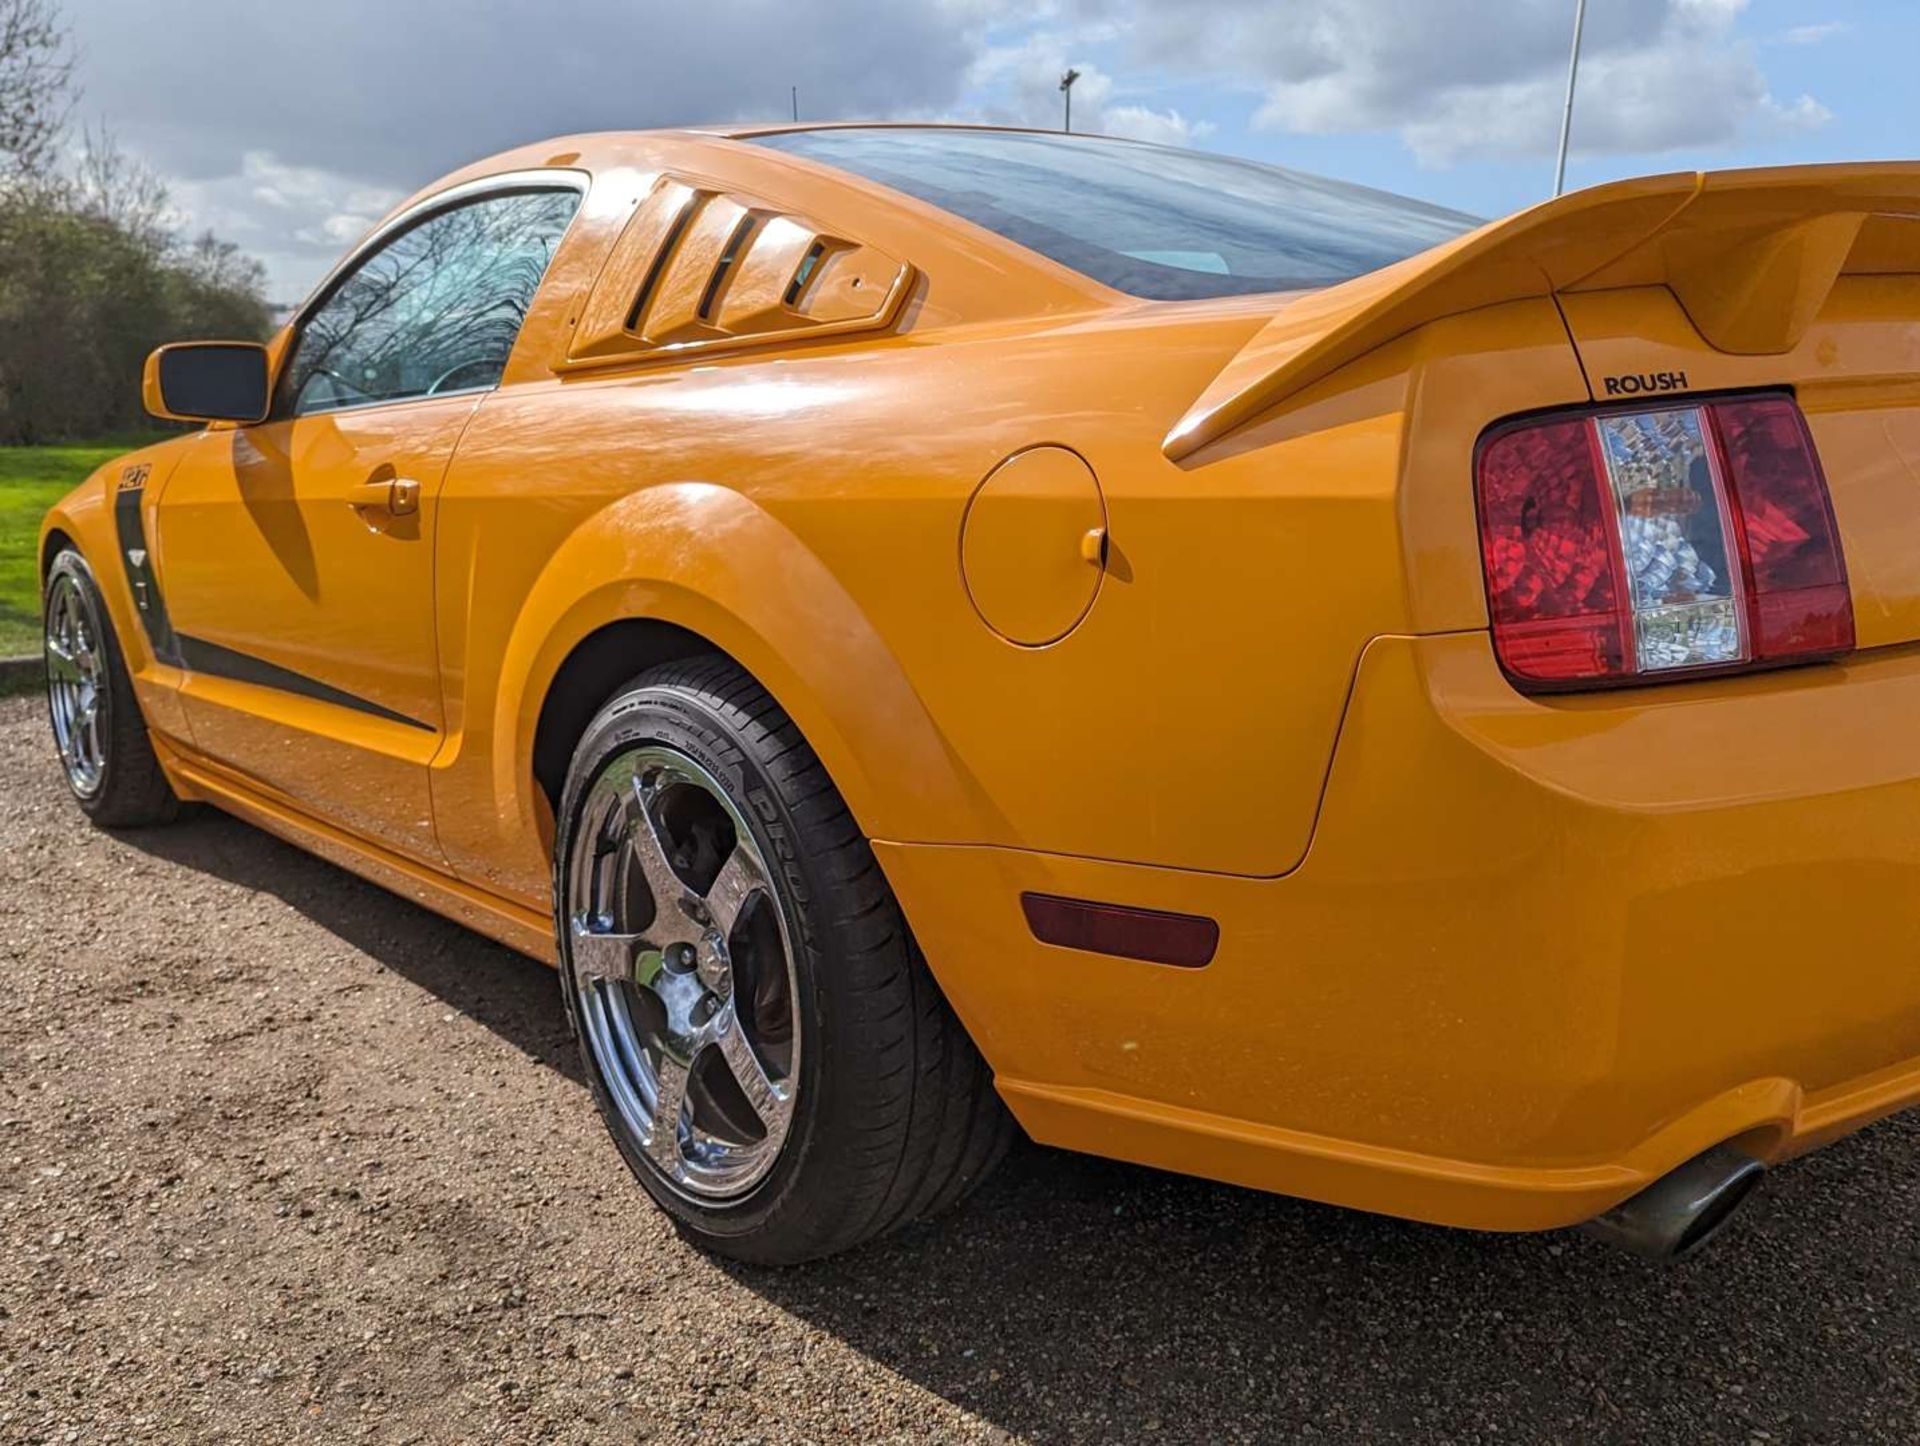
750, 130
596, 149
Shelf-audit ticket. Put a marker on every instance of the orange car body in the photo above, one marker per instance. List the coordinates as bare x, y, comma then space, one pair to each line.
1176, 605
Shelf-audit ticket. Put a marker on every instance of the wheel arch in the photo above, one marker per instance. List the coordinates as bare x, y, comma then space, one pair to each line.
593, 672
82, 521
644, 581
56, 541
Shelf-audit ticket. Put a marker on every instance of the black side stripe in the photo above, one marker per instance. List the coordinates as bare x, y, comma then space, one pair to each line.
200, 656
197, 654
131, 530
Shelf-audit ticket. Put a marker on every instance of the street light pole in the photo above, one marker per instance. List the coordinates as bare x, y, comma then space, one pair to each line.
1566, 116
1066, 89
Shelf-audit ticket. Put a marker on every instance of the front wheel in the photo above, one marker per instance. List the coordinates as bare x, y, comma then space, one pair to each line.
770, 1052
97, 728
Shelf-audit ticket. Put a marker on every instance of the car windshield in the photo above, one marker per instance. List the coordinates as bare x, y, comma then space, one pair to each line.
1151, 220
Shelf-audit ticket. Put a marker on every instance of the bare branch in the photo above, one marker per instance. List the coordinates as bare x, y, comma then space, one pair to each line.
121, 189
36, 77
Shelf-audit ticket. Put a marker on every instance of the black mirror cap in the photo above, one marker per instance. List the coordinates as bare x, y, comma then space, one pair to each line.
207, 381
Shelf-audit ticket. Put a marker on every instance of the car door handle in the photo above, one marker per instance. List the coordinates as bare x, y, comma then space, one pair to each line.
397, 495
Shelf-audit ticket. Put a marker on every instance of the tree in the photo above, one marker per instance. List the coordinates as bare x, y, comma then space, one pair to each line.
82, 302
93, 273
36, 75
218, 265
122, 190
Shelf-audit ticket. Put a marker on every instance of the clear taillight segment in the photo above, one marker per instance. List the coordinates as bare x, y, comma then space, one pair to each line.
1675, 539
1633, 545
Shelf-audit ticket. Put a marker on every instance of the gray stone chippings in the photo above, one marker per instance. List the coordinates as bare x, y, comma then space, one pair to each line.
285, 1159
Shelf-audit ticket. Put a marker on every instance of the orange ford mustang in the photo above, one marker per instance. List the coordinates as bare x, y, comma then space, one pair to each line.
1242, 672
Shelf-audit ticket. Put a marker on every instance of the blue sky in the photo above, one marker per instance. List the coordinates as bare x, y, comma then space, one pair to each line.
290, 133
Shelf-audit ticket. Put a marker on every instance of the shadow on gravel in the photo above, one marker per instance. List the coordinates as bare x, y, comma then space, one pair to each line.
510, 994
1080, 1300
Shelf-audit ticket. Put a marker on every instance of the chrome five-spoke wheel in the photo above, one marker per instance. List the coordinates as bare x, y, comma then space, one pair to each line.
771, 1056
683, 970
76, 682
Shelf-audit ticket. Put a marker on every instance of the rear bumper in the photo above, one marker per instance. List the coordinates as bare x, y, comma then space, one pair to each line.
1538, 954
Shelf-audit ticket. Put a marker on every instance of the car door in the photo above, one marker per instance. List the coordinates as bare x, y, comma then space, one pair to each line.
298, 552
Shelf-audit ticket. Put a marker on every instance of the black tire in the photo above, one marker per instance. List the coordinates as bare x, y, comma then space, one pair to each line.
894, 1116
129, 790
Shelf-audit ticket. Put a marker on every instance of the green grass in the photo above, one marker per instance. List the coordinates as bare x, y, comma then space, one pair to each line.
32, 479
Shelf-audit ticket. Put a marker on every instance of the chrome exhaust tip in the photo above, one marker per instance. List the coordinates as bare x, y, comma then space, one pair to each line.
1683, 1209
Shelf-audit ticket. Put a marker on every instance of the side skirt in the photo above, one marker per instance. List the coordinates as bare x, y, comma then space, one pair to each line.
518, 927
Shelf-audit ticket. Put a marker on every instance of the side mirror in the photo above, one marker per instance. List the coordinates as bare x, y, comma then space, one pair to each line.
207, 381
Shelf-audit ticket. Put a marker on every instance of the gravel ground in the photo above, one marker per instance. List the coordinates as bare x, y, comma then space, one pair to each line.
283, 1158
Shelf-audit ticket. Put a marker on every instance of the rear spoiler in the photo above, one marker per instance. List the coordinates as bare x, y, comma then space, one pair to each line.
1751, 256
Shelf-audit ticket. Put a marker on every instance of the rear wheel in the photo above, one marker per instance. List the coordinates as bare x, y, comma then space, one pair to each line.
97, 727
768, 1049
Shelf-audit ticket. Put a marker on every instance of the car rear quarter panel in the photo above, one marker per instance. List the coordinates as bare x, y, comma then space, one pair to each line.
803, 511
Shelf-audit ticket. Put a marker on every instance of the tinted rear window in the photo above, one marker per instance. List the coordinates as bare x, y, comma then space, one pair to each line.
1151, 220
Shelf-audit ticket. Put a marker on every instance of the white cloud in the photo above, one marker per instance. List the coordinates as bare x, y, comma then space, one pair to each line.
400, 92
1814, 34
1459, 78
1628, 102
287, 134
296, 219
1019, 84
1803, 113
1165, 127
273, 122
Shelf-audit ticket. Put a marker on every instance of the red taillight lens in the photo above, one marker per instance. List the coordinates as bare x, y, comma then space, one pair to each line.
1552, 567
1622, 545
1796, 577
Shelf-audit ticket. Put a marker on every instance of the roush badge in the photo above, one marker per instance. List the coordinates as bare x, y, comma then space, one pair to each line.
1635, 384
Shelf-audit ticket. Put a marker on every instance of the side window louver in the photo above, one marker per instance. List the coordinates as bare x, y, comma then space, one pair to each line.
797, 287
698, 268
662, 250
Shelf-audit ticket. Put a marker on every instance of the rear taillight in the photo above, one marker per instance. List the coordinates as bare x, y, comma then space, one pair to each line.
1629, 546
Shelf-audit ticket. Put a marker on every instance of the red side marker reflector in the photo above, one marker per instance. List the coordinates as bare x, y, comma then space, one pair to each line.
1186, 940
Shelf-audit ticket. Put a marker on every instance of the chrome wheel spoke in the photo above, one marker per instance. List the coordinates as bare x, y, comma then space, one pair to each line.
650, 851
771, 1102
738, 881
62, 666
600, 957
669, 1103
